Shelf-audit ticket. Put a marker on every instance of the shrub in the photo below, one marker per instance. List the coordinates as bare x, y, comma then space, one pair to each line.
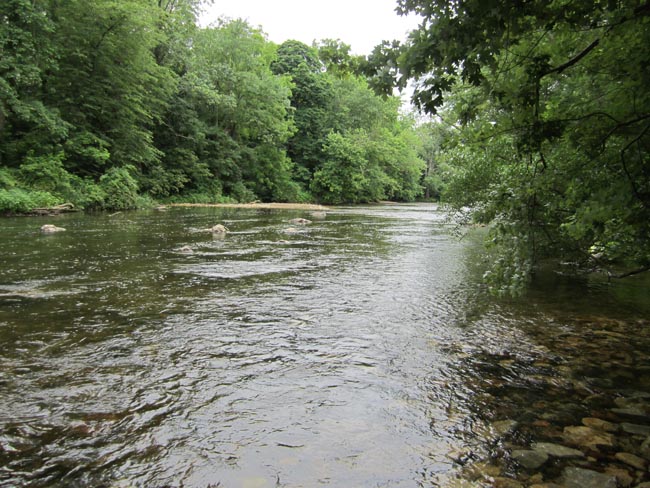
120, 189
16, 200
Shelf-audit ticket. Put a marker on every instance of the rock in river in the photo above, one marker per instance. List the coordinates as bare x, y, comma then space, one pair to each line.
557, 450
51, 229
530, 460
586, 478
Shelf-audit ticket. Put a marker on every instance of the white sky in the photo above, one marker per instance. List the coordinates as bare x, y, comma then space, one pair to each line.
360, 23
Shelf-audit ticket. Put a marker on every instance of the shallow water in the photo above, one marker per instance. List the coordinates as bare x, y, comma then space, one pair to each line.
359, 350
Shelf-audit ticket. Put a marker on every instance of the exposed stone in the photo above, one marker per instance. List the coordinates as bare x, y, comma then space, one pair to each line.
557, 450
631, 460
586, 478
530, 460
587, 437
218, 229
300, 221
636, 429
186, 250
51, 229
600, 424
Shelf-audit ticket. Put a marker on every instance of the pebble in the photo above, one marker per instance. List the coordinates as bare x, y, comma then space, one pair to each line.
530, 460
587, 437
636, 429
631, 460
557, 450
600, 424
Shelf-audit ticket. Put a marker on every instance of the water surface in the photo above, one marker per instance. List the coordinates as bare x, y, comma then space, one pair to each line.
359, 350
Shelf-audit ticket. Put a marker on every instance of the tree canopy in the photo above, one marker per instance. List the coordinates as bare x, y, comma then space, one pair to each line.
113, 104
548, 114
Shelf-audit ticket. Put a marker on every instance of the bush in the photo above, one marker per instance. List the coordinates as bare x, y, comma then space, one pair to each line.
120, 189
7, 179
16, 200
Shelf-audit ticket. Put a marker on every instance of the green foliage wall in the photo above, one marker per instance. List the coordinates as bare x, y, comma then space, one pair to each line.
109, 103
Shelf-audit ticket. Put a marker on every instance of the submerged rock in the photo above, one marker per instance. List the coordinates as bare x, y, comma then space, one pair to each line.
631, 460
530, 460
636, 429
51, 229
557, 450
502, 427
586, 478
185, 250
600, 424
587, 437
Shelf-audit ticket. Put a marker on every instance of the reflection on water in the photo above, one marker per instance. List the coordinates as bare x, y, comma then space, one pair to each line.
359, 350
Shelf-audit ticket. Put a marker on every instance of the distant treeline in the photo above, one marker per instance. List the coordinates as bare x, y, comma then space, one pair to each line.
113, 104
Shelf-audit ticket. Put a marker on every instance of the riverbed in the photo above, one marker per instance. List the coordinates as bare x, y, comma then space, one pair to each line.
359, 350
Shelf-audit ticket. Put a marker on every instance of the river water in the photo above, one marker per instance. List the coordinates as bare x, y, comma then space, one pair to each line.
359, 350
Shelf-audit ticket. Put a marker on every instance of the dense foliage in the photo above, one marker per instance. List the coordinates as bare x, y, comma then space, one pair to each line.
546, 110
113, 104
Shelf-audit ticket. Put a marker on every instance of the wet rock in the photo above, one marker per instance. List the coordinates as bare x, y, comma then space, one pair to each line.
587, 437
300, 221
643, 485
644, 450
218, 229
557, 450
636, 429
600, 424
502, 427
51, 229
506, 483
546, 485
623, 477
185, 250
318, 215
586, 478
631, 460
635, 412
461, 456
530, 460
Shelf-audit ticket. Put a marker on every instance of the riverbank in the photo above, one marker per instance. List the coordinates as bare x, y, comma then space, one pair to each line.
261, 206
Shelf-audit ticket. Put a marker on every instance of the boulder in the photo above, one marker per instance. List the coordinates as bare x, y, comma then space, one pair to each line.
51, 229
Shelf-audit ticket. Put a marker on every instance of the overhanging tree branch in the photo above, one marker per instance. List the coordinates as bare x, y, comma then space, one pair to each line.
574, 60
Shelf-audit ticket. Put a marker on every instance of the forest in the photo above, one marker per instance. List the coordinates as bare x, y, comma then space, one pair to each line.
111, 104
538, 119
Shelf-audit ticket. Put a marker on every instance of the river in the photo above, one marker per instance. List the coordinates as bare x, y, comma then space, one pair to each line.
361, 350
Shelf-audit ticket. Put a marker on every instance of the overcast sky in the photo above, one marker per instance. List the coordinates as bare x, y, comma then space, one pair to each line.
360, 23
